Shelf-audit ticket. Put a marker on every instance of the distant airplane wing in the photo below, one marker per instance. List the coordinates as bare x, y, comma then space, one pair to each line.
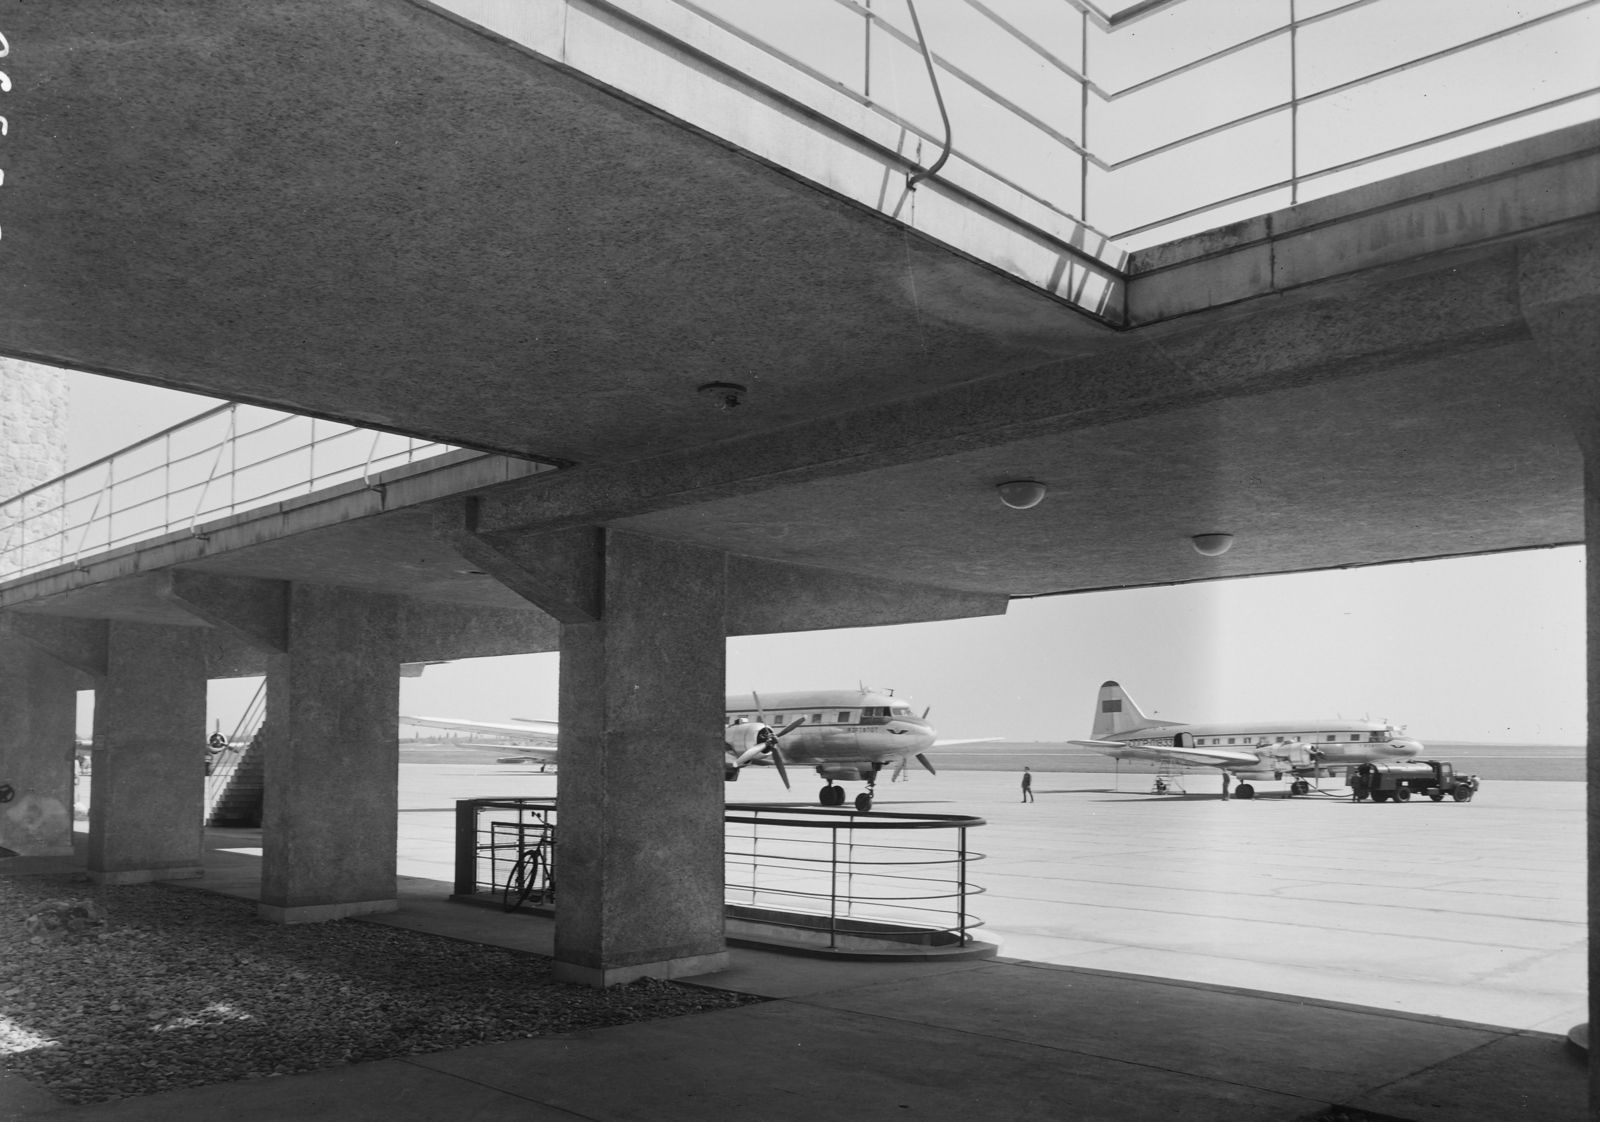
1215, 757
974, 740
529, 732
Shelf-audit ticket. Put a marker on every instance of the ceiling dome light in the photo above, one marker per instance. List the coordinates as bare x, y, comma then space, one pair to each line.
1020, 494
1212, 545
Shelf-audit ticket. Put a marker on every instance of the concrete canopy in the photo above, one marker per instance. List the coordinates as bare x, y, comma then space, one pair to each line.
367, 211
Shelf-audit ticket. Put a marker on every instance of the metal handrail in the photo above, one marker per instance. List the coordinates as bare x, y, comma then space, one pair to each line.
840, 872
130, 494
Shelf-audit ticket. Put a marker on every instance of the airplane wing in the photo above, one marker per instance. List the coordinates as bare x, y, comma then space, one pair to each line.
1214, 757
528, 732
974, 740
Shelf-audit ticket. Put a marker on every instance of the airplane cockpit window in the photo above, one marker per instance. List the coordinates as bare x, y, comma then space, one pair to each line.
901, 711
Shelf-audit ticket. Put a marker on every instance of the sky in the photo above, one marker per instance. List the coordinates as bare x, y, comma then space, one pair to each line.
1484, 648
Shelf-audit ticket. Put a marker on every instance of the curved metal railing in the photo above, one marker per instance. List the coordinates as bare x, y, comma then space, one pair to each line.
830, 877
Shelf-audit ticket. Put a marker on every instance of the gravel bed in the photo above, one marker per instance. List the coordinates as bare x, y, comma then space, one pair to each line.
179, 988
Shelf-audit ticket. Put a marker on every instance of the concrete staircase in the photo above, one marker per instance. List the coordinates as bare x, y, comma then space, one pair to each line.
233, 791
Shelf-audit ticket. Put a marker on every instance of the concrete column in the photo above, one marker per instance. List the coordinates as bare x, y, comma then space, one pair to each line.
1559, 287
38, 709
639, 850
147, 794
332, 758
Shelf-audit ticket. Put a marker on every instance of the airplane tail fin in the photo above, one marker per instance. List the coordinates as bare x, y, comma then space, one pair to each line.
1116, 712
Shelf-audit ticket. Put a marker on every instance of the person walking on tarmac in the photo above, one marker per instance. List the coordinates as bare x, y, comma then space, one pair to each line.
1027, 785
1227, 780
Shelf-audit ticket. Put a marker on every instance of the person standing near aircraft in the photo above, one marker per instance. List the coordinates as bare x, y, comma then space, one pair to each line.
1027, 785
1227, 781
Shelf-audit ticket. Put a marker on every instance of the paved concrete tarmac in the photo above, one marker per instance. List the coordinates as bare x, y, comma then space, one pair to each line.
1471, 911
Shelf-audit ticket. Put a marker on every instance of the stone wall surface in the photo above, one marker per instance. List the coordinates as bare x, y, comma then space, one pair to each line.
33, 450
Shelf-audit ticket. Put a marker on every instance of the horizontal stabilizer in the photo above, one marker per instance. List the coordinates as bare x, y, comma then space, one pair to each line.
974, 740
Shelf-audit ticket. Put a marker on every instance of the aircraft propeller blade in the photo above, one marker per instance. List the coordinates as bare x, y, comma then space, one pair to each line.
790, 727
923, 760
783, 772
926, 711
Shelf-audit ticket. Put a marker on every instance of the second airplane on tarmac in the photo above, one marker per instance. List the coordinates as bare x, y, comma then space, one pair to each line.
1304, 749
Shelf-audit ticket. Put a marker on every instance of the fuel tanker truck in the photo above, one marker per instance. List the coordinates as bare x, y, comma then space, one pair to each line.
1400, 779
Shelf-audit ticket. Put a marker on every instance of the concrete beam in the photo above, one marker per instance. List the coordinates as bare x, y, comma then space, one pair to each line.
769, 597
255, 611
38, 709
558, 572
80, 643
147, 794
432, 631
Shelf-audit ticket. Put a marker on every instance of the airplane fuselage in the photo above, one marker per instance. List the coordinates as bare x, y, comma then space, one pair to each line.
845, 731
1298, 747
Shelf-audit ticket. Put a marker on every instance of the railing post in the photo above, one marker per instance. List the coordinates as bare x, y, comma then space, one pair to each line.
961, 887
466, 847
833, 889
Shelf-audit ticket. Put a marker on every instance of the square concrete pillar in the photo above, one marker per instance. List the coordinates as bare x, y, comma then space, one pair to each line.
332, 758
639, 844
38, 711
147, 793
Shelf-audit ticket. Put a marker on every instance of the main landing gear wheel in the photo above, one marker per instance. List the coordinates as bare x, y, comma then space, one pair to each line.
1244, 791
864, 802
831, 796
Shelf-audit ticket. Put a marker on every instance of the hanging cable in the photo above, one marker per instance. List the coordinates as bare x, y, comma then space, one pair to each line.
927, 58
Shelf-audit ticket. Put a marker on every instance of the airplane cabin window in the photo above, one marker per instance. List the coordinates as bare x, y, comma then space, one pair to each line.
844, 718
777, 718
1355, 736
1332, 737
1230, 740
816, 718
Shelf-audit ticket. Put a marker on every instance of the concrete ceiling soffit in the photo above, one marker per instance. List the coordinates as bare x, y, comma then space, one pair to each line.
78, 643
1322, 335
256, 611
770, 597
388, 219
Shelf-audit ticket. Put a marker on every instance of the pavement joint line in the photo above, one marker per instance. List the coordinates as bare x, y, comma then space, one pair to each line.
1286, 998
1449, 1059
1066, 1051
412, 1060
1280, 923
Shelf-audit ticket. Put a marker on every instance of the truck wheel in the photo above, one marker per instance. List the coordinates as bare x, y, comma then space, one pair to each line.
1380, 796
1462, 794
1437, 798
1402, 795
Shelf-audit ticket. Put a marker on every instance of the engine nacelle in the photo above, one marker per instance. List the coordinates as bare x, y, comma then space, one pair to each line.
745, 742
841, 772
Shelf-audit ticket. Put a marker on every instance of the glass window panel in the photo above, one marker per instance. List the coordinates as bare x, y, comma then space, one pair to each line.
1227, 89
822, 34
1177, 36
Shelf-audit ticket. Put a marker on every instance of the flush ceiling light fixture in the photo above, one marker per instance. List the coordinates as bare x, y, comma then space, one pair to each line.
1020, 494
727, 395
1212, 545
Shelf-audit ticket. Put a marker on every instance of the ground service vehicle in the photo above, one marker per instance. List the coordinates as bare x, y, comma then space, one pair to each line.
1401, 779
